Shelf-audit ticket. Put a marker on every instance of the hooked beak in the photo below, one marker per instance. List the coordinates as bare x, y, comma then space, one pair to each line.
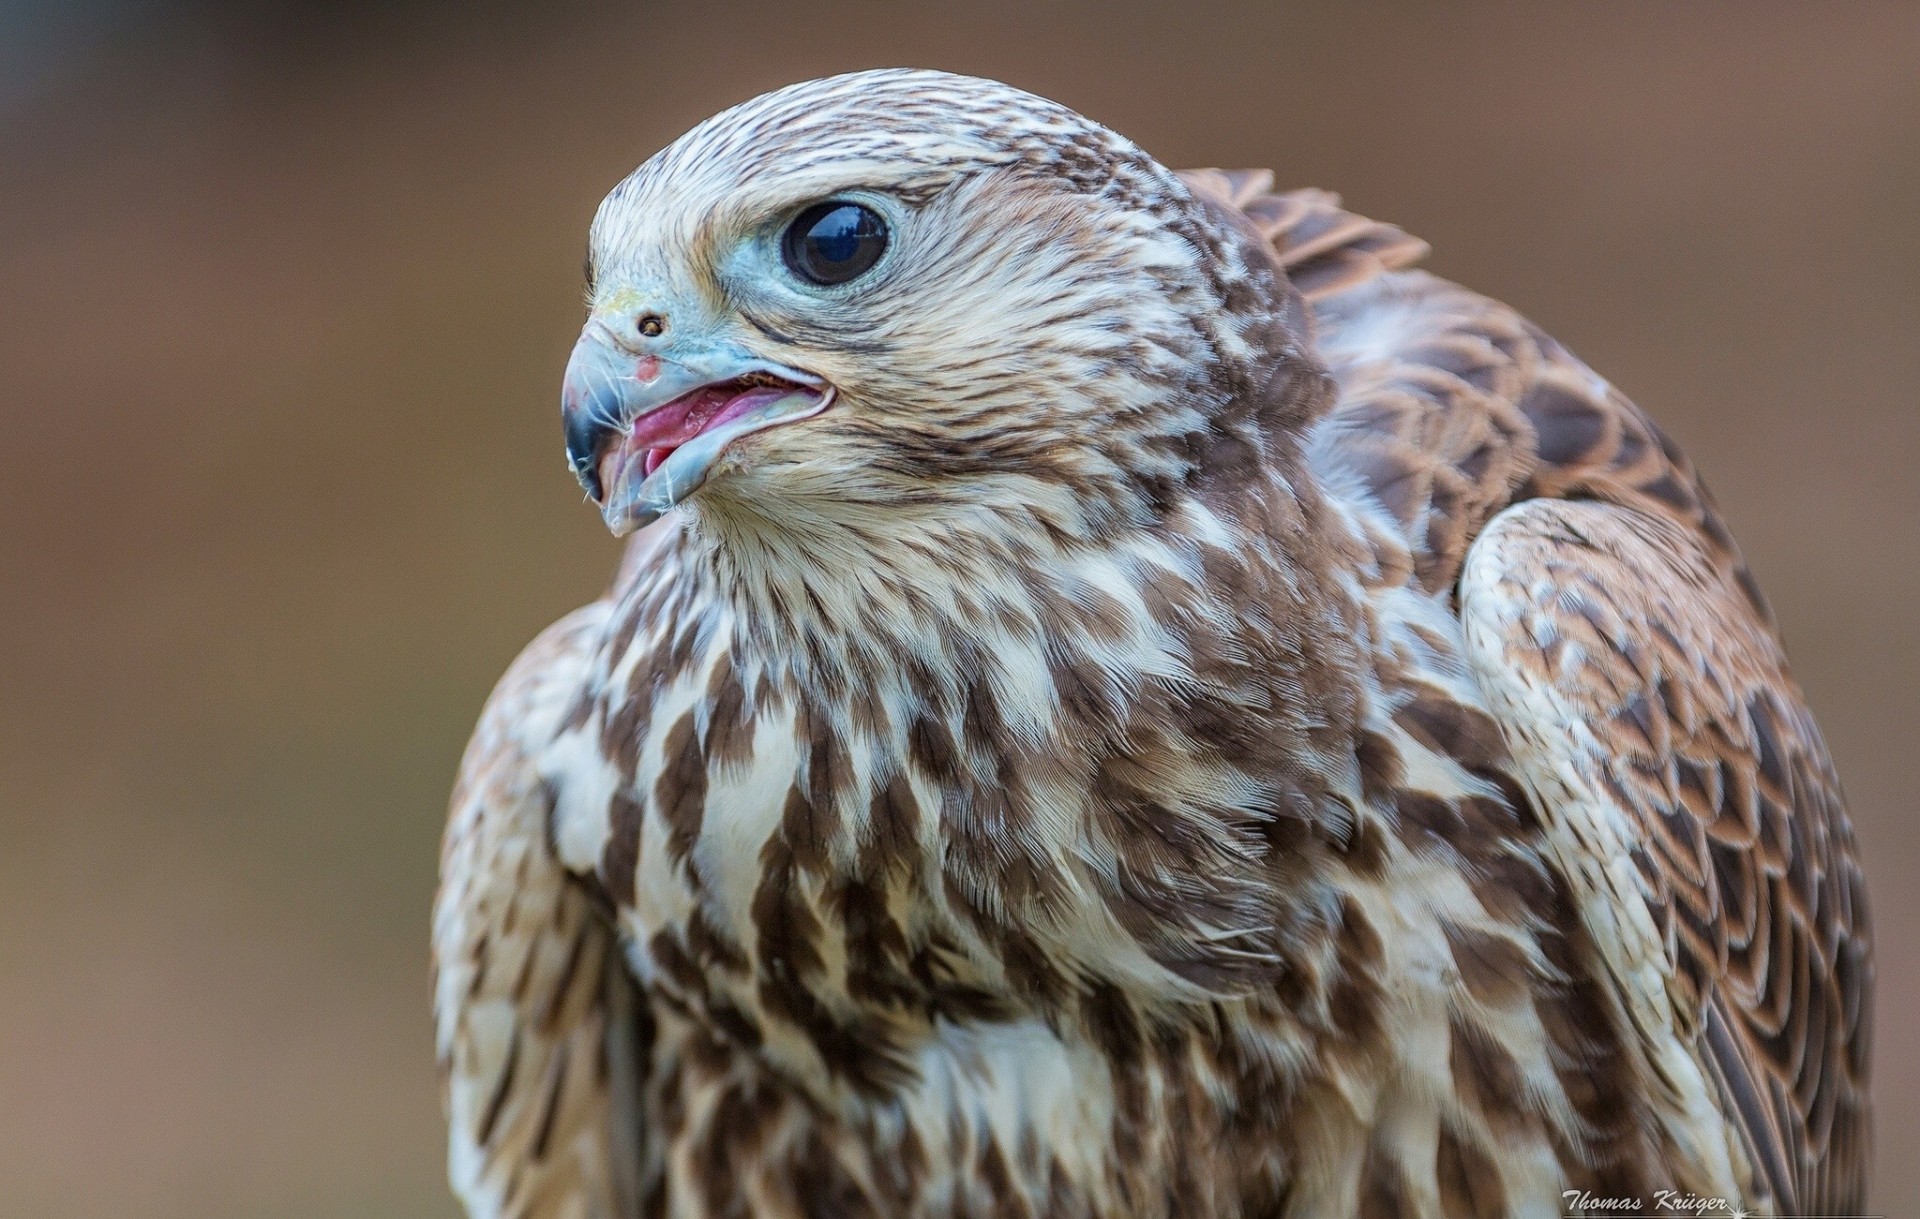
644, 431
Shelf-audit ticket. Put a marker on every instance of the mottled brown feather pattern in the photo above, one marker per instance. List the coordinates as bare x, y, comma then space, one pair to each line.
1212, 723
1739, 832
541, 1036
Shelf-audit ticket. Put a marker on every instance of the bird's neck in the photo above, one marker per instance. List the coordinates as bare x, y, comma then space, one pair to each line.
1086, 726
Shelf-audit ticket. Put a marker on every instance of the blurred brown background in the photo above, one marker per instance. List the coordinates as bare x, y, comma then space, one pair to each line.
285, 293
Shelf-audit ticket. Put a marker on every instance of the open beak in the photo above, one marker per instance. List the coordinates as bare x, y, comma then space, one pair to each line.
644, 431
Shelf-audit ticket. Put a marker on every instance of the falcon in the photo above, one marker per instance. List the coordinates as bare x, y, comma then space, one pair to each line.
1124, 699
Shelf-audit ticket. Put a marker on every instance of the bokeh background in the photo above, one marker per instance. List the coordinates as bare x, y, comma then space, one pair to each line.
285, 293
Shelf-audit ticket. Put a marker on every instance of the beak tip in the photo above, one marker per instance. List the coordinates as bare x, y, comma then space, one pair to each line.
588, 478
586, 437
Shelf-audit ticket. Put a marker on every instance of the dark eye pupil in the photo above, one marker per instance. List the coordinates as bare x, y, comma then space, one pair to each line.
831, 243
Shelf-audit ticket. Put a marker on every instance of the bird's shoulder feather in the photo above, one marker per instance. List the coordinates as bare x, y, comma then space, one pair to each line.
1633, 664
1692, 800
539, 1030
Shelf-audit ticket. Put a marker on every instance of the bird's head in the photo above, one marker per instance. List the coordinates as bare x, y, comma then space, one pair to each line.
901, 290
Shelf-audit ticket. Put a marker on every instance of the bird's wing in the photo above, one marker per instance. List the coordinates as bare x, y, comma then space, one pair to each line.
1696, 812
1635, 668
540, 1034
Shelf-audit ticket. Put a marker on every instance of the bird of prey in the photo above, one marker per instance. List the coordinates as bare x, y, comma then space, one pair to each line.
1126, 700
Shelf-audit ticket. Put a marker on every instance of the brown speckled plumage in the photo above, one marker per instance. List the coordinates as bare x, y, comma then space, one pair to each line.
1213, 722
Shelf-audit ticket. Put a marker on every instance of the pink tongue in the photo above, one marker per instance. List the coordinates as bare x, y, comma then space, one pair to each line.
662, 431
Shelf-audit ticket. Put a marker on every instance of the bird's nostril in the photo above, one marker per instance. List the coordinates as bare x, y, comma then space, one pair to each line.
651, 325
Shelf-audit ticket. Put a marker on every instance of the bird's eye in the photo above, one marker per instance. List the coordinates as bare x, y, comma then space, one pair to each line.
834, 242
